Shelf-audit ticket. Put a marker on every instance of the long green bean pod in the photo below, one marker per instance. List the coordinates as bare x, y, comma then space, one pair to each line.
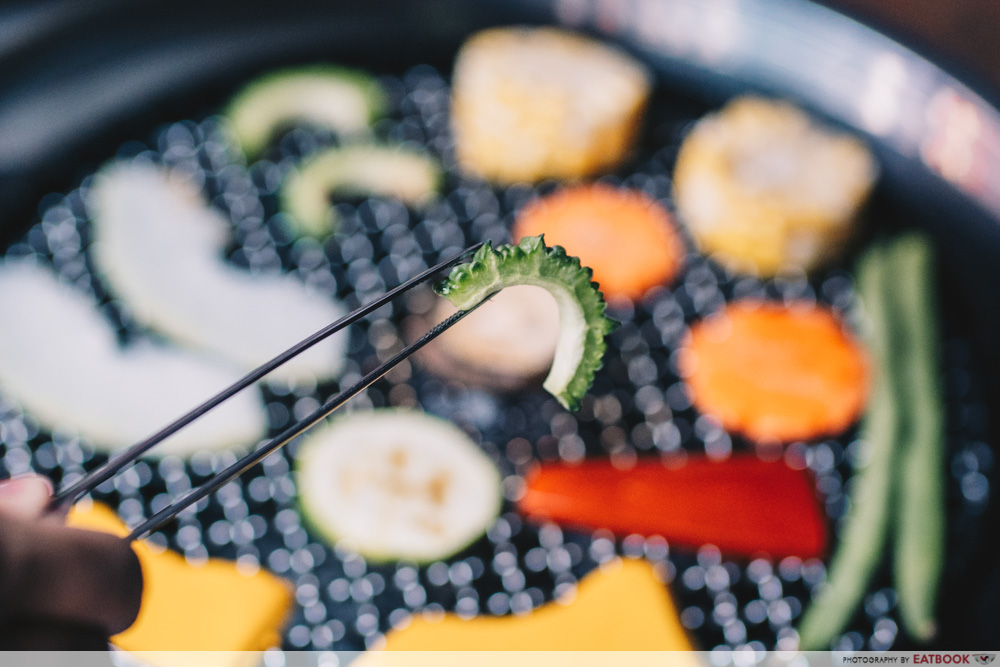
919, 542
863, 535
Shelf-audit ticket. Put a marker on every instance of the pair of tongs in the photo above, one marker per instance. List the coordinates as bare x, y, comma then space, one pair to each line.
81, 487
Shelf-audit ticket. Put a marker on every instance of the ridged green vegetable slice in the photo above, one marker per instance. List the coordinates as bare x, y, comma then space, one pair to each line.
583, 324
338, 98
920, 525
863, 535
411, 176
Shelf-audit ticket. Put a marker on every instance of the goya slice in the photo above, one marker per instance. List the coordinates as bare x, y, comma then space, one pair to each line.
583, 324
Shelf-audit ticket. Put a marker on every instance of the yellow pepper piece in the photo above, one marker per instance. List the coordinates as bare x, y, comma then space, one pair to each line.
621, 607
211, 607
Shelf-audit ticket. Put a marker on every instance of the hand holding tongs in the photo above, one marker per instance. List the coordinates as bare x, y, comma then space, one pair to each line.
117, 462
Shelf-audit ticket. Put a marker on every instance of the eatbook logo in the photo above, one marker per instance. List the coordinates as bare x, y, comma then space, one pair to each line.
984, 658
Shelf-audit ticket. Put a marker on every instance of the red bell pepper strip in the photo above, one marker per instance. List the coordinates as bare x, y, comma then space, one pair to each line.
744, 506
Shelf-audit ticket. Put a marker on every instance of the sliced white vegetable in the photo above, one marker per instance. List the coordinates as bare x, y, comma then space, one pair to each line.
60, 359
397, 485
159, 247
340, 99
408, 175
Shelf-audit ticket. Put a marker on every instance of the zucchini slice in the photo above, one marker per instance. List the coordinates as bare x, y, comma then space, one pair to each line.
338, 98
396, 484
159, 247
359, 170
583, 324
60, 359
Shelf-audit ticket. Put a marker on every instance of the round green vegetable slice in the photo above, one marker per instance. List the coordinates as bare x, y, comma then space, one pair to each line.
411, 176
396, 484
583, 324
338, 98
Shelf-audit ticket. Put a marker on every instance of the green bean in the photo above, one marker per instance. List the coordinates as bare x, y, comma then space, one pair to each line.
863, 533
919, 537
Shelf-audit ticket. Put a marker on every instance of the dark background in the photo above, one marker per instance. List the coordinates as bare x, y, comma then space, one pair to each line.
958, 34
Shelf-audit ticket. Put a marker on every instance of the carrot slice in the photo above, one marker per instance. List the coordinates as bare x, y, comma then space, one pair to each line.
775, 373
743, 505
627, 238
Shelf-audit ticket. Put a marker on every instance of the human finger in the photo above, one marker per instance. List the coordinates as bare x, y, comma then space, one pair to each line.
25, 496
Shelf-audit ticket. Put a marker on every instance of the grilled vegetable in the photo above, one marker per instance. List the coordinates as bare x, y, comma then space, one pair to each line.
624, 236
361, 169
904, 479
216, 606
863, 534
742, 505
534, 103
340, 99
582, 322
919, 536
504, 346
775, 373
159, 247
60, 359
621, 607
765, 190
396, 484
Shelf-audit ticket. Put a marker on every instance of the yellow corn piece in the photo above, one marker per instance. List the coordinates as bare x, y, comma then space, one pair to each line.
535, 103
766, 190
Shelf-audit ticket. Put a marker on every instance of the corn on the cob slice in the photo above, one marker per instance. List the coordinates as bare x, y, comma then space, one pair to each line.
766, 190
535, 103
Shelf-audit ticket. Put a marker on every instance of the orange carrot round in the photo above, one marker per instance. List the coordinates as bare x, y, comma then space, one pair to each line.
775, 373
627, 238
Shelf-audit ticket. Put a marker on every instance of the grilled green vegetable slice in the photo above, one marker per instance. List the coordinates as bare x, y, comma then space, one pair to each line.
583, 324
338, 98
396, 484
361, 169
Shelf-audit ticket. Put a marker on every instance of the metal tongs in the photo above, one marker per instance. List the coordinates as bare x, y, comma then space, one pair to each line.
90, 481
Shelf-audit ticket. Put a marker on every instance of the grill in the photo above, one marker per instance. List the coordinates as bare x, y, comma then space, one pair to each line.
637, 408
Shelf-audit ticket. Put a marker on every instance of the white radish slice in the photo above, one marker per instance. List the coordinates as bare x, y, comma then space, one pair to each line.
60, 359
396, 485
159, 246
